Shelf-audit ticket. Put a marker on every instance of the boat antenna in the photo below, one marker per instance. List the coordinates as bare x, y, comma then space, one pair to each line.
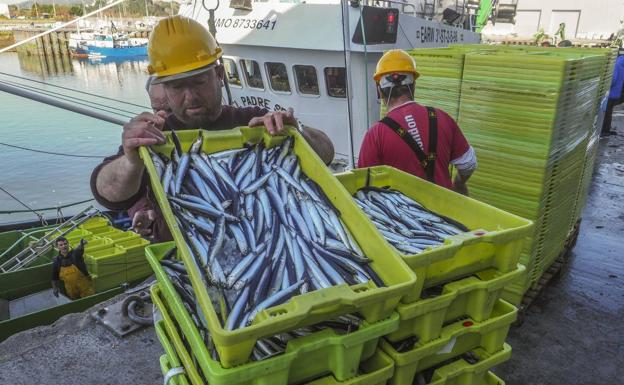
63, 25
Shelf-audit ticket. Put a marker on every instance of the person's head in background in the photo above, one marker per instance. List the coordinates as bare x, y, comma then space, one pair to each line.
158, 98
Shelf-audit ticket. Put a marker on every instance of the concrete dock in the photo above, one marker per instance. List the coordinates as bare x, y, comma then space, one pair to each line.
572, 334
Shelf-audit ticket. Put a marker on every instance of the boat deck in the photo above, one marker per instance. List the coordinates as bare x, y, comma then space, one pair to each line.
571, 334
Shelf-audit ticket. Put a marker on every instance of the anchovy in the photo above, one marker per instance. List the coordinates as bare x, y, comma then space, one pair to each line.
405, 223
260, 231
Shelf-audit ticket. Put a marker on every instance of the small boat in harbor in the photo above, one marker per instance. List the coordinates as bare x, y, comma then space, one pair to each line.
107, 45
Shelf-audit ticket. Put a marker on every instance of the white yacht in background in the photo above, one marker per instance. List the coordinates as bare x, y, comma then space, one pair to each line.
307, 54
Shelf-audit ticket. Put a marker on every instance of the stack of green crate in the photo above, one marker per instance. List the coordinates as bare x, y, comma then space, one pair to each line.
113, 256
439, 84
528, 115
455, 310
323, 357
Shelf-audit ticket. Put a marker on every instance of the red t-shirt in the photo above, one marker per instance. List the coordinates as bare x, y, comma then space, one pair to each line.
383, 146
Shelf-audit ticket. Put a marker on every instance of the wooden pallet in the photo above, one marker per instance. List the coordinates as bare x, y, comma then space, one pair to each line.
553, 271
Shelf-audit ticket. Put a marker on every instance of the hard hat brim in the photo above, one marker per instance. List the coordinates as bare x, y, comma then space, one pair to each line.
183, 75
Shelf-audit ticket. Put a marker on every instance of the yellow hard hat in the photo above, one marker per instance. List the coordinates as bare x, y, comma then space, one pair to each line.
395, 61
178, 46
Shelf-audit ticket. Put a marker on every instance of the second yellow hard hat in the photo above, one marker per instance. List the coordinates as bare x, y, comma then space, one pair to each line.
395, 61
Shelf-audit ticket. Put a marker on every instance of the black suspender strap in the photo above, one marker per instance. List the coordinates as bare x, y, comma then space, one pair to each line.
426, 161
433, 143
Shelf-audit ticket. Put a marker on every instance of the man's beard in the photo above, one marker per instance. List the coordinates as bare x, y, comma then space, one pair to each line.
204, 120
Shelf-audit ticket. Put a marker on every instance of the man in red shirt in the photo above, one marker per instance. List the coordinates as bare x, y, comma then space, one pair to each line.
420, 140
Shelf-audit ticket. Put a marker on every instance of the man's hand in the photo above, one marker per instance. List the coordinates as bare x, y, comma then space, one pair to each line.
55, 291
143, 130
83, 242
459, 186
142, 222
274, 121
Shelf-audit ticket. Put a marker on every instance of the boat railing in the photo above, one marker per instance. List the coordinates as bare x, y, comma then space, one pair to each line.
403, 6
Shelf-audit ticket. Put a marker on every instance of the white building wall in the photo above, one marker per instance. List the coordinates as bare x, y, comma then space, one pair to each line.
591, 19
4, 10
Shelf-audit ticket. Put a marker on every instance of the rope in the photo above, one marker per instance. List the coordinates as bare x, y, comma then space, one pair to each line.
42, 209
73, 90
64, 97
30, 209
53, 153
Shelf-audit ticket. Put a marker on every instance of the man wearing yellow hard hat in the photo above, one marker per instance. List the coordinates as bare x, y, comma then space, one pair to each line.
184, 58
420, 140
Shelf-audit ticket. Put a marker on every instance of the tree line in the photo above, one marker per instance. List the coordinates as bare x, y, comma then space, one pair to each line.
130, 8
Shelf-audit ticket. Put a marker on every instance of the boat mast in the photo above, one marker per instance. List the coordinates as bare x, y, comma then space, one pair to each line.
347, 58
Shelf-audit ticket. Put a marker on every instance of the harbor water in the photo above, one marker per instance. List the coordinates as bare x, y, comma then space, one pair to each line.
43, 180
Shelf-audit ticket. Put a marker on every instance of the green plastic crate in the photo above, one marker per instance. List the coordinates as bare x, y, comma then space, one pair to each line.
73, 236
495, 239
307, 357
97, 244
474, 297
455, 339
170, 357
462, 372
119, 236
106, 261
95, 223
134, 246
165, 367
174, 346
374, 303
377, 370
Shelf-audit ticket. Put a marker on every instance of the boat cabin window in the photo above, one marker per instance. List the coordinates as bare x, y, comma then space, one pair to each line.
232, 72
278, 77
336, 82
307, 82
251, 68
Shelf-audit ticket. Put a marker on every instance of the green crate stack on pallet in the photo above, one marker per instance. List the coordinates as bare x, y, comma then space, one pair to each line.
439, 84
455, 311
528, 113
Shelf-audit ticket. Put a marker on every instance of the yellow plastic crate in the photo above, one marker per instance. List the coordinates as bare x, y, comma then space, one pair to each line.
319, 353
170, 357
118, 235
495, 238
375, 371
134, 246
374, 303
95, 223
73, 237
455, 339
473, 297
165, 367
96, 243
462, 372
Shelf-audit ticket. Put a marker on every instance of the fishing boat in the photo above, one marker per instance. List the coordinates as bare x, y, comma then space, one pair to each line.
115, 45
113, 257
325, 73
